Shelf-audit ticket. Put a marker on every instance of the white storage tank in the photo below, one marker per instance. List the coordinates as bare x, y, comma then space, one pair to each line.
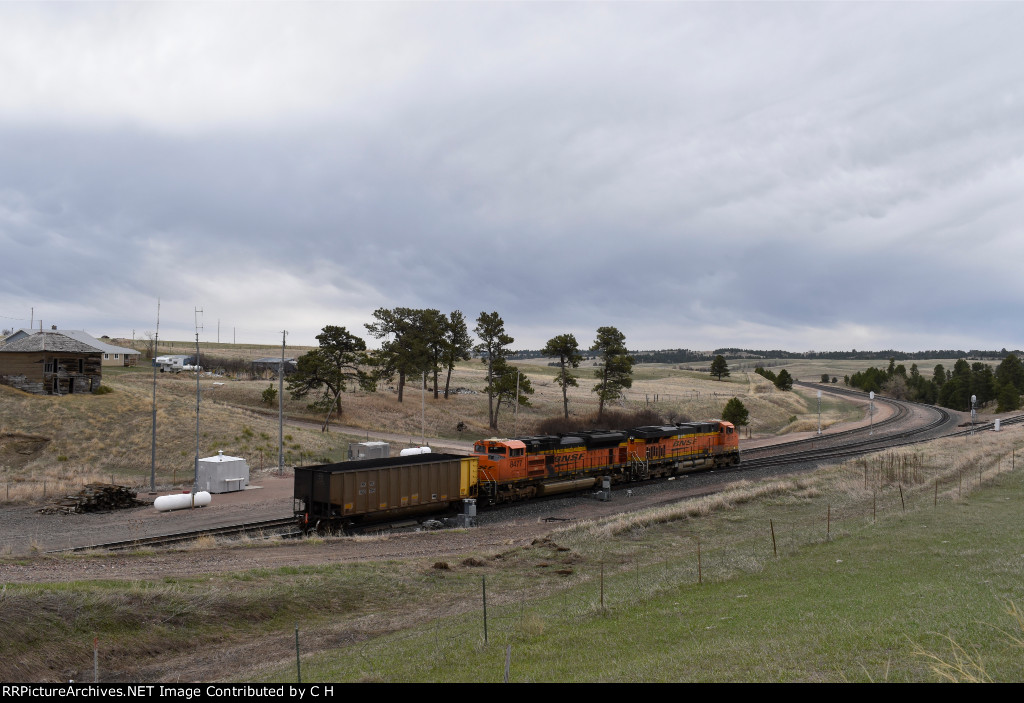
223, 474
180, 501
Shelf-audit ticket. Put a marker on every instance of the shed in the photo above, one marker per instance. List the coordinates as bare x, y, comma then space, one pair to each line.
369, 450
223, 474
269, 365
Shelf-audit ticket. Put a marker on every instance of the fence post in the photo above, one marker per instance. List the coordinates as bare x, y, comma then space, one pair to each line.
484, 586
508, 660
874, 505
775, 551
935, 503
700, 577
902, 502
298, 661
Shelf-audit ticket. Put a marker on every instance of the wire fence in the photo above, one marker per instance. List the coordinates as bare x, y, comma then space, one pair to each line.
505, 619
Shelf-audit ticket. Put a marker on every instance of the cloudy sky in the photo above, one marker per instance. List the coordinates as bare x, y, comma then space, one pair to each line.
766, 175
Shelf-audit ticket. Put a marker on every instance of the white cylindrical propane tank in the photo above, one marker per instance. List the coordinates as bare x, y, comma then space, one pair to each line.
180, 501
414, 450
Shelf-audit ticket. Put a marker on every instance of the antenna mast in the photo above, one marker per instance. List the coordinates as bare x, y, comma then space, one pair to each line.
156, 341
195, 481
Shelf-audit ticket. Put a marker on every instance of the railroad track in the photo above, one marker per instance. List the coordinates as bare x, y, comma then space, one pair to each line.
273, 525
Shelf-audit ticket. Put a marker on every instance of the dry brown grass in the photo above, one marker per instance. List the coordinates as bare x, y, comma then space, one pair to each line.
108, 437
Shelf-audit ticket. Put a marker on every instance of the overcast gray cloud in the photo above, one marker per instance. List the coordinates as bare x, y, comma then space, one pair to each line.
801, 176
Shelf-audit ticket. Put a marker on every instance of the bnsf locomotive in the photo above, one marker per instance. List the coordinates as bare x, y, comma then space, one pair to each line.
513, 469
501, 470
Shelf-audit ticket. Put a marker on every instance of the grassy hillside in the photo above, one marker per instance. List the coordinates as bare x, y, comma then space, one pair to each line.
903, 566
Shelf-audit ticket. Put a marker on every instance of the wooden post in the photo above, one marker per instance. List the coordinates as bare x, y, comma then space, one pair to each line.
828, 524
775, 552
508, 661
960, 483
700, 578
298, 661
874, 505
935, 504
902, 502
484, 586
602, 584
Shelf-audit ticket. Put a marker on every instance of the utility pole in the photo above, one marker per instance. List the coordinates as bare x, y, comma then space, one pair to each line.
819, 413
515, 431
152, 466
195, 480
280, 408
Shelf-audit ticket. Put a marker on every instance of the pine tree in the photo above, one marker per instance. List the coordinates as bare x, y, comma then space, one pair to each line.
615, 373
490, 328
567, 349
719, 367
736, 413
784, 382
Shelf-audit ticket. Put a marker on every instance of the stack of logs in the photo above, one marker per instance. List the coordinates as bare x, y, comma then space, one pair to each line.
94, 497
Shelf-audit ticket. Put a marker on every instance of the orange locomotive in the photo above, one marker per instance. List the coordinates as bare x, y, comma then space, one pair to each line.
526, 467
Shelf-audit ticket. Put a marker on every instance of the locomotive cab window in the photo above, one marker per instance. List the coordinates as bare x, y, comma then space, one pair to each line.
515, 452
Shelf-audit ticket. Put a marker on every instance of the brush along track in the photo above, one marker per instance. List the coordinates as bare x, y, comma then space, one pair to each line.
273, 525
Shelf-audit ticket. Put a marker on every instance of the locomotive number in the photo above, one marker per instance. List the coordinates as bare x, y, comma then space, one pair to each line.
515, 463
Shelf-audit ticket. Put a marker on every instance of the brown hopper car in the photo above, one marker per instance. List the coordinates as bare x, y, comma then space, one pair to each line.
338, 496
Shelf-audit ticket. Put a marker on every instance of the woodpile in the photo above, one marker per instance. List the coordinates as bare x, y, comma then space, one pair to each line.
94, 497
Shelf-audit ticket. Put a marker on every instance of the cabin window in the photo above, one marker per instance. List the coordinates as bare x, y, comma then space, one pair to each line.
106, 357
515, 452
479, 449
81, 366
48, 367
496, 450
117, 356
